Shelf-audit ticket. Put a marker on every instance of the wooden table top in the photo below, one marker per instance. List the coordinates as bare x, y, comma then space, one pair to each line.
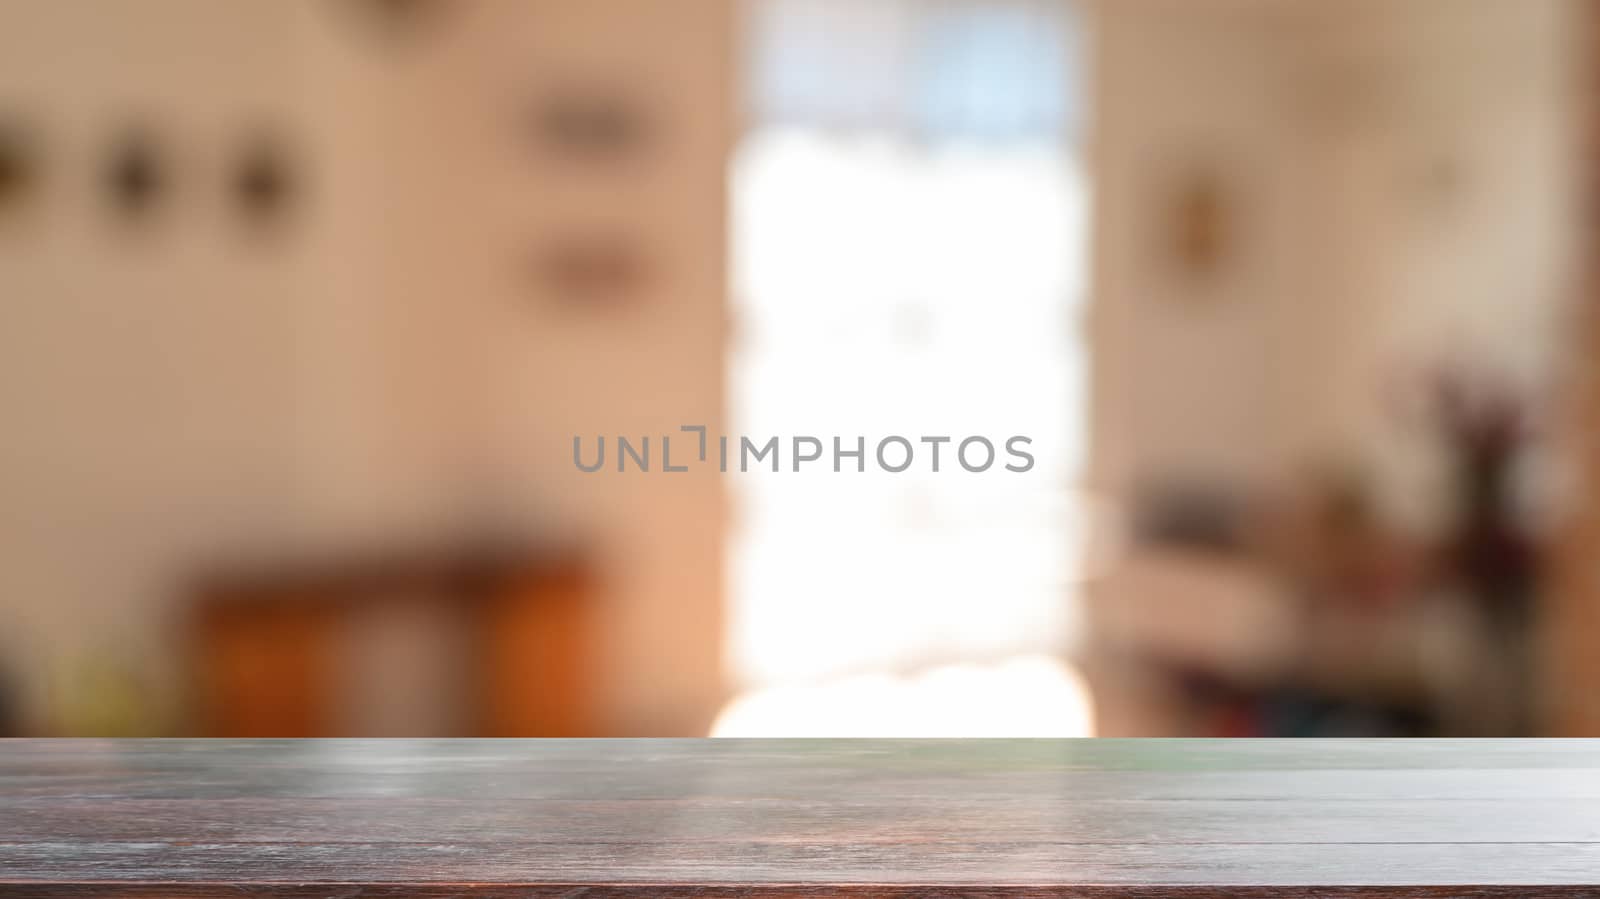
628, 819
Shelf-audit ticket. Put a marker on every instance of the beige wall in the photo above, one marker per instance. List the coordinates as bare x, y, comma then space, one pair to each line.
386, 368
1401, 180
148, 412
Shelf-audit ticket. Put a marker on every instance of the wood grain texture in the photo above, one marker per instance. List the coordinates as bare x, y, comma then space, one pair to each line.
601, 819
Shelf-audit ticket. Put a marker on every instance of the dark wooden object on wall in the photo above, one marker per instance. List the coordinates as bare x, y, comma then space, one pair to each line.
268, 647
785, 819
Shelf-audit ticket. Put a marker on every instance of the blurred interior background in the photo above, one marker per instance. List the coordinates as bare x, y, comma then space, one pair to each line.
303, 304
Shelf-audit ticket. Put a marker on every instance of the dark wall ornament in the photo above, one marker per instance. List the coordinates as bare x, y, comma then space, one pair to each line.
591, 271
137, 176
20, 166
391, 22
262, 181
1200, 223
590, 123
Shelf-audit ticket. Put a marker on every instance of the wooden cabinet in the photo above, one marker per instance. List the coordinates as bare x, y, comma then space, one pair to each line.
475, 644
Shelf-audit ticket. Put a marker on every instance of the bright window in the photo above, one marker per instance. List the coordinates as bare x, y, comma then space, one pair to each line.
909, 258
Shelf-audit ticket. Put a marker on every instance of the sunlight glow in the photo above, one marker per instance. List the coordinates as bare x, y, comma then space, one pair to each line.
1026, 696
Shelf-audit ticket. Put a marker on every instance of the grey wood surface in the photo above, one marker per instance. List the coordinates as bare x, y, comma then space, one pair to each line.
792, 818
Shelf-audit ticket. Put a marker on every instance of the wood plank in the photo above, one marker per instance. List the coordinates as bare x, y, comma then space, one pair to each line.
646, 818
1041, 819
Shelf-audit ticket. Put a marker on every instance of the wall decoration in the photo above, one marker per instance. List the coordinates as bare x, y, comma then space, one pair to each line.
590, 123
392, 21
262, 181
136, 175
19, 165
594, 270
1199, 223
